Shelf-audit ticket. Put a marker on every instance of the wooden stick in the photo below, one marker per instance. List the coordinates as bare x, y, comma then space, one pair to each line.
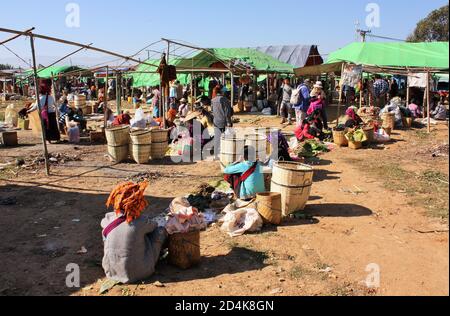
58, 40
16, 36
36, 87
428, 103
340, 95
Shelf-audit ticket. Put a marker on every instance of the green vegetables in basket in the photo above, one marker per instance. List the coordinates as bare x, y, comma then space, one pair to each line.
356, 136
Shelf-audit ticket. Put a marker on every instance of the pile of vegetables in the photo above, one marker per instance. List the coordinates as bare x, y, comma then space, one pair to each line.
357, 136
128, 200
312, 148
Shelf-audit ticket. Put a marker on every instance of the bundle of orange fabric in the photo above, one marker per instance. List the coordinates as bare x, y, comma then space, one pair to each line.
128, 200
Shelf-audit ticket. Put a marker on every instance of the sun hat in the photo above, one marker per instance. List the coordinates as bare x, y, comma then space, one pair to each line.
191, 116
318, 84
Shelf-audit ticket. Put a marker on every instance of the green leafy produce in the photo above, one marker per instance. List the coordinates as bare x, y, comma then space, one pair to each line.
356, 136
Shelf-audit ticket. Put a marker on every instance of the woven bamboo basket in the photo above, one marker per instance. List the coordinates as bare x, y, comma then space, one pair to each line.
159, 135
141, 137
118, 136
355, 145
269, 207
118, 153
293, 181
231, 149
259, 143
370, 134
141, 153
408, 122
184, 250
159, 150
339, 138
389, 120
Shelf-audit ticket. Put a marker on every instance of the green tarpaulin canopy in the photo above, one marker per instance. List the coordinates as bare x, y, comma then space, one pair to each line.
146, 75
47, 72
432, 55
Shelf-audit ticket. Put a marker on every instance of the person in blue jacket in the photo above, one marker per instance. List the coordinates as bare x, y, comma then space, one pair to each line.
246, 177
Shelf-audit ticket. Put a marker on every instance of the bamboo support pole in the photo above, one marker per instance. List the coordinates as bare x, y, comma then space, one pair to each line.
36, 87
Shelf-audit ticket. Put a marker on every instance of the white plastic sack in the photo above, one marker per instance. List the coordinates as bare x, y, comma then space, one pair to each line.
11, 116
267, 111
238, 222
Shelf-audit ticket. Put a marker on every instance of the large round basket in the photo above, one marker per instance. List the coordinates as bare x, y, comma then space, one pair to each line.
184, 250
141, 137
259, 143
231, 148
269, 207
118, 136
339, 138
118, 153
159, 135
80, 101
293, 181
159, 150
141, 153
388, 120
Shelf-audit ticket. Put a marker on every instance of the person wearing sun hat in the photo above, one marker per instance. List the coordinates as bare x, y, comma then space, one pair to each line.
317, 94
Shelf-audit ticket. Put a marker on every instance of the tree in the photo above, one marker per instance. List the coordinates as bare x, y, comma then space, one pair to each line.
433, 28
5, 67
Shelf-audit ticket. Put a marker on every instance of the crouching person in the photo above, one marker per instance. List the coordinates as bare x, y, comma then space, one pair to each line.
132, 243
246, 177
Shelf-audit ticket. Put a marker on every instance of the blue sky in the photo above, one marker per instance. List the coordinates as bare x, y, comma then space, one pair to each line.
127, 26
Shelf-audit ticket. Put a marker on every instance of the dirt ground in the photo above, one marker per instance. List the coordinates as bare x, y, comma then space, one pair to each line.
386, 205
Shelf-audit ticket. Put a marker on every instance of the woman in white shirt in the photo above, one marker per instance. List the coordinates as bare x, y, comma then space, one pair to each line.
47, 105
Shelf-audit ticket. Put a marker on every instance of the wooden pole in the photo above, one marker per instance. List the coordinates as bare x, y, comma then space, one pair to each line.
105, 98
428, 103
232, 88
408, 91
36, 87
118, 91
340, 94
361, 90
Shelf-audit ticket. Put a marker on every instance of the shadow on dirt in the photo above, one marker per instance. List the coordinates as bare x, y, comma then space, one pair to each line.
337, 210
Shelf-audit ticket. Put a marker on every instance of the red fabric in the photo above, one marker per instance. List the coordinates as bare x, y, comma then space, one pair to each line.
122, 119
302, 132
236, 180
113, 226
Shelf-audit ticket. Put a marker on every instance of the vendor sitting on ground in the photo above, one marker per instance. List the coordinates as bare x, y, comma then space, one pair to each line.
246, 177
122, 119
132, 245
415, 109
352, 120
440, 112
311, 128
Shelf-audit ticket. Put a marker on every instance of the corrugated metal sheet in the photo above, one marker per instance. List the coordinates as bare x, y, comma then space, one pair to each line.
295, 55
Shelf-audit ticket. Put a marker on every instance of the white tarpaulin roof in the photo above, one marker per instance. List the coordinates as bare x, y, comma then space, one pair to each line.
295, 55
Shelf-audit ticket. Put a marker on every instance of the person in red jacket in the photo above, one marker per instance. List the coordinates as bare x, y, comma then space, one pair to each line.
311, 128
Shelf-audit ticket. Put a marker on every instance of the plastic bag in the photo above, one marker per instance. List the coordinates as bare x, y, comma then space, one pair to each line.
74, 135
11, 116
237, 221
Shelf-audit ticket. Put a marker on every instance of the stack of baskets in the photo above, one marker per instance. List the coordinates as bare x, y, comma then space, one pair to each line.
259, 143
80, 102
141, 146
231, 149
118, 139
294, 182
159, 143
